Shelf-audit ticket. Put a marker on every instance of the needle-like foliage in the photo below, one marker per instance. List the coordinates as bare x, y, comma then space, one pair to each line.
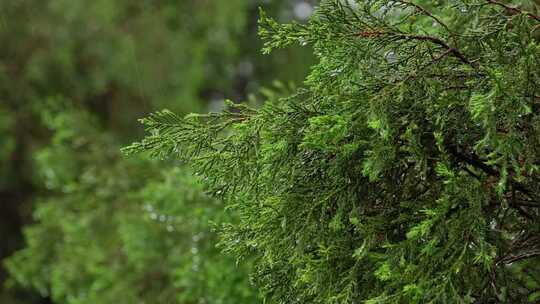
406, 170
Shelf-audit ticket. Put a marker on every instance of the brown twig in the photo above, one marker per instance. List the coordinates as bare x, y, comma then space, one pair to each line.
519, 257
455, 52
438, 41
476, 162
529, 204
515, 10
425, 12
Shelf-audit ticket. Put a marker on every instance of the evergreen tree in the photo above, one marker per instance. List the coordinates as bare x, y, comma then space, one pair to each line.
406, 170
103, 238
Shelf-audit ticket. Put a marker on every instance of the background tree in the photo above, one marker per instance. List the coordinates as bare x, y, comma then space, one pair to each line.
73, 77
406, 171
102, 237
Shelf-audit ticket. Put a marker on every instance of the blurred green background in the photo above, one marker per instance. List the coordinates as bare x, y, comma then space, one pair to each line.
79, 223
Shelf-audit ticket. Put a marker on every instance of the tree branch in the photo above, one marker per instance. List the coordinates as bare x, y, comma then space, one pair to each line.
455, 52
515, 10
451, 50
425, 12
476, 162
524, 203
519, 257
473, 161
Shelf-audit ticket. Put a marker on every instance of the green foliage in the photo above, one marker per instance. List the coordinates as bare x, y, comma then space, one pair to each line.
118, 51
405, 172
74, 75
103, 237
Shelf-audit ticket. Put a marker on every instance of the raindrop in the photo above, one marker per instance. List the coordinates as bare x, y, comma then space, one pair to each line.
303, 10
390, 57
336, 72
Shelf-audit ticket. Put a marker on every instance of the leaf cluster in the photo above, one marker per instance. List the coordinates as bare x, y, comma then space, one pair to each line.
406, 170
